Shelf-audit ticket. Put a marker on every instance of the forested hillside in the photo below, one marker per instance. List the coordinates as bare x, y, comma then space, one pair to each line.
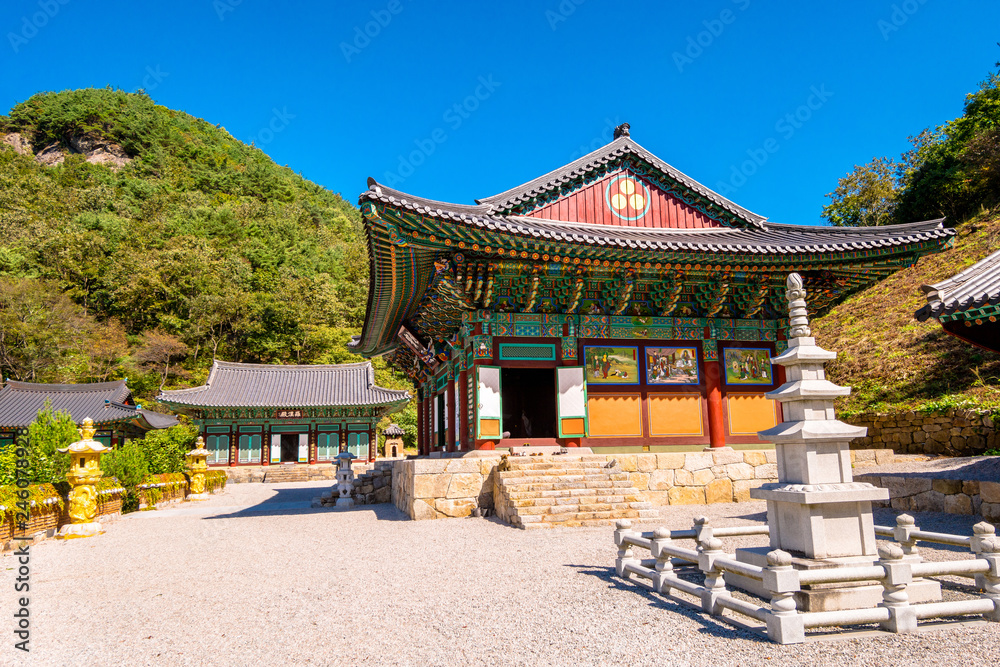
890, 359
140, 241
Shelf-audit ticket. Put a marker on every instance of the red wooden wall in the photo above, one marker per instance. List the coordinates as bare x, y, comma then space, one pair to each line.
590, 205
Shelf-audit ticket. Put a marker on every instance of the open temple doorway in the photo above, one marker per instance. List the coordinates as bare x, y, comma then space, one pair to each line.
529, 402
289, 447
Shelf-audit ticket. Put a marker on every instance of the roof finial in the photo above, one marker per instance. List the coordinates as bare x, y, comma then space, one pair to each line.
798, 319
621, 130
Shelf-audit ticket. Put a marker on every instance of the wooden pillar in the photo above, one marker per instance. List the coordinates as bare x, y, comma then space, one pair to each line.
461, 404
265, 446
420, 423
372, 442
313, 444
450, 415
716, 422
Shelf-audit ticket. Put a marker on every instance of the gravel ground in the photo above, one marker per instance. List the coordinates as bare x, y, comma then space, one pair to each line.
255, 577
981, 468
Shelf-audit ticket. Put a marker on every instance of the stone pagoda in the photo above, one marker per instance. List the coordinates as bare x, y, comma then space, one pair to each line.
816, 511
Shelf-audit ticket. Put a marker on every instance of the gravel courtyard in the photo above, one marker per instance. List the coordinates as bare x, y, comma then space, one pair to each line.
255, 577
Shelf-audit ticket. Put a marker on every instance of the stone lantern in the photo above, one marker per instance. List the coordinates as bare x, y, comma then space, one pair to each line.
345, 479
84, 472
196, 468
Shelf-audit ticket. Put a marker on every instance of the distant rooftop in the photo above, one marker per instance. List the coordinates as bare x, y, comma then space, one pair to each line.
104, 402
264, 385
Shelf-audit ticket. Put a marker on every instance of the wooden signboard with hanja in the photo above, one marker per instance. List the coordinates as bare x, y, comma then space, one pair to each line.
611, 365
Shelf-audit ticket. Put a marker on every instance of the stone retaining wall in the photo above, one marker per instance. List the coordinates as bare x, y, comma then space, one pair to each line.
953, 432
927, 494
454, 487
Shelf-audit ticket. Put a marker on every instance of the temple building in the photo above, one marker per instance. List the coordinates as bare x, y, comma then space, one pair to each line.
261, 414
110, 404
968, 304
614, 302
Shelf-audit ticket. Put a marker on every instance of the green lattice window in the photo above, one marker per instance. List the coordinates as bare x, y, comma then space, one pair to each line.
527, 352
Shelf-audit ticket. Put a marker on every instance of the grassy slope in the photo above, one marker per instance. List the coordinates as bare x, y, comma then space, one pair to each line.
893, 361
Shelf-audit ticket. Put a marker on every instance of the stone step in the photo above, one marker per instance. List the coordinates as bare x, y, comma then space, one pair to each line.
556, 479
582, 519
523, 503
552, 510
517, 493
569, 465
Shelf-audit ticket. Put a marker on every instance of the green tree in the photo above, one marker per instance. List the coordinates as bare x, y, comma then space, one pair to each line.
866, 197
50, 432
164, 449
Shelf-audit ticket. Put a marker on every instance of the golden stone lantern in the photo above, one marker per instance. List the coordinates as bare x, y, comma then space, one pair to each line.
84, 473
196, 469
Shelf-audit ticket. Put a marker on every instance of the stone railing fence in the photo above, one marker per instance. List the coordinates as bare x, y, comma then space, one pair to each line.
953, 432
784, 622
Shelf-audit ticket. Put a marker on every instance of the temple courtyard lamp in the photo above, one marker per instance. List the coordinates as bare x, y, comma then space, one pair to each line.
84, 473
197, 466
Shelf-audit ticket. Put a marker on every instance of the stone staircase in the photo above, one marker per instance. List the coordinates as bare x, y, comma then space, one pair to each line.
552, 491
280, 473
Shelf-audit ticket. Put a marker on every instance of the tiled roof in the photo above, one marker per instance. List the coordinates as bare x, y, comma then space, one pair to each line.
767, 239
264, 385
103, 402
393, 430
620, 149
975, 287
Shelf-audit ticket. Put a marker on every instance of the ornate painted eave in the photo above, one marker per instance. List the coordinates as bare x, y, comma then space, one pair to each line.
968, 304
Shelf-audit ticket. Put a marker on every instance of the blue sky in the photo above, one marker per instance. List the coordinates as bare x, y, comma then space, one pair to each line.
768, 102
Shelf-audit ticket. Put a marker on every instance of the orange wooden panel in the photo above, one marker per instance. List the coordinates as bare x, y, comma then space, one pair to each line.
615, 415
572, 426
489, 428
749, 413
675, 414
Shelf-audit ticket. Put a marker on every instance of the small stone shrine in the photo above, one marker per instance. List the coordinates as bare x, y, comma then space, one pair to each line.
393, 441
816, 511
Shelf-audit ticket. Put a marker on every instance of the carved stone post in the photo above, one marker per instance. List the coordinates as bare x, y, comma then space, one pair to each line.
715, 582
84, 473
990, 552
197, 466
903, 533
784, 624
898, 575
664, 567
623, 529
981, 532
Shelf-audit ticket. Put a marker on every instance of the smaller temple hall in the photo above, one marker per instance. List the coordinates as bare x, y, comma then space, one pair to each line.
261, 414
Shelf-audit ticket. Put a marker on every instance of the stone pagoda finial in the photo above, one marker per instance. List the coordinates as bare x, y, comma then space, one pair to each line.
798, 317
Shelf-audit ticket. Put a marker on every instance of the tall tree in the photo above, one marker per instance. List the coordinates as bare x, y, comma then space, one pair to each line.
866, 197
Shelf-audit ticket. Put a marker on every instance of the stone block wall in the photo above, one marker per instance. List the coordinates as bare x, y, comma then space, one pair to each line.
454, 487
726, 476
374, 486
444, 487
927, 494
954, 432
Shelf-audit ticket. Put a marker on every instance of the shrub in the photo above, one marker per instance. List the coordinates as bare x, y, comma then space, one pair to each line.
127, 463
164, 449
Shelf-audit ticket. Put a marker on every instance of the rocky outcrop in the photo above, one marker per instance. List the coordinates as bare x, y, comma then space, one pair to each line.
16, 141
100, 151
94, 148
